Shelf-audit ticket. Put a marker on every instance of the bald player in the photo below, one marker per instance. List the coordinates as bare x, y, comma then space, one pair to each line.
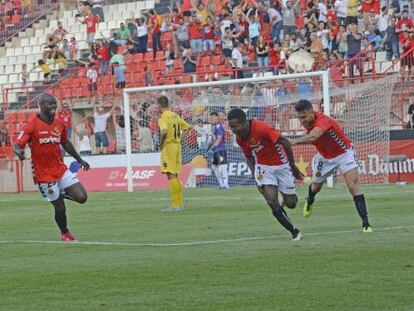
45, 135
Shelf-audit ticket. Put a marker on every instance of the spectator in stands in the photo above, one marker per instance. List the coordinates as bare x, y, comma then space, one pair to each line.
45, 69
73, 49
341, 9
142, 34
354, 47
316, 48
103, 57
209, 45
411, 116
289, 13
154, 25
195, 35
119, 126
342, 41
118, 58
64, 115
65, 49
148, 76
407, 61
92, 76
50, 48
227, 44
352, 12
145, 142
24, 75
97, 9
100, 120
384, 20
275, 19
62, 64
4, 136
90, 21
390, 42
189, 61
169, 57
124, 34
119, 72
182, 34
84, 145
237, 60
60, 33
254, 25
262, 52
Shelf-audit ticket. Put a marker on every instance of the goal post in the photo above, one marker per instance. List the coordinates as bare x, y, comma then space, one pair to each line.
269, 98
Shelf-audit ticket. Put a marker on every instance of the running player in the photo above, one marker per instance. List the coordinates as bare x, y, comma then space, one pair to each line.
218, 148
45, 134
269, 155
334, 150
172, 129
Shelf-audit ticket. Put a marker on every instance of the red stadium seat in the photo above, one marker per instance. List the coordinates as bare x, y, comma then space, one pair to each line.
129, 58
66, 93
139, 57
149, 56
205, 61
159, 55
105, 80
15, 19
11, 127
216, 60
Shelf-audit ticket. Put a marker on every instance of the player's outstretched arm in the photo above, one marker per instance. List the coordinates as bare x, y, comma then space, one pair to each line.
67, 145
289, 152
19, 152
308, 138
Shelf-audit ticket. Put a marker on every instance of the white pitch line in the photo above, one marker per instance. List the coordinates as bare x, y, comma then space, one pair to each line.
193, 243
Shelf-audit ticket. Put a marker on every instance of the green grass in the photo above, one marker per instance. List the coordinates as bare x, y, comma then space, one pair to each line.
249, 263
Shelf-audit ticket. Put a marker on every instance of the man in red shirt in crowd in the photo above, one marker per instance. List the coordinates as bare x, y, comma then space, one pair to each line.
270, 158
195, 35
404, 24
45, 134
407, 42
104, 57
154, 25
64, 115
334, 150
91, 21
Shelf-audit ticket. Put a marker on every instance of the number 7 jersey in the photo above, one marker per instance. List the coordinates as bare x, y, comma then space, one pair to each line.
174, 124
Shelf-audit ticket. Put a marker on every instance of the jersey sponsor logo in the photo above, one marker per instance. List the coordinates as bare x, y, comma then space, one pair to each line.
49, 140
55, 131
43, 132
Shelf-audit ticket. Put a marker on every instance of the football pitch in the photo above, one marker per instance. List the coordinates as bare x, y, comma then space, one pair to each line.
225, 252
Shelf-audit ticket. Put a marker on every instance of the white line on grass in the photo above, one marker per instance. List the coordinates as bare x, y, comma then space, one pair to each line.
193, 243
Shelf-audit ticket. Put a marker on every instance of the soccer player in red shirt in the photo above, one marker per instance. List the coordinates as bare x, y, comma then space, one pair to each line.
334, 150
45, 134
269, 155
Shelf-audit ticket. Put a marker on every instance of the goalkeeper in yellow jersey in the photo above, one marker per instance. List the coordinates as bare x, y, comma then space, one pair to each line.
172, 129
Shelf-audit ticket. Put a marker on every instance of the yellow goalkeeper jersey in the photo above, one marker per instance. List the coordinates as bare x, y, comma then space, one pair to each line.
174, 125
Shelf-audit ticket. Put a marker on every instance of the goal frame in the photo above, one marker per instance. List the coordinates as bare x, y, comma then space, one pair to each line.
324, 76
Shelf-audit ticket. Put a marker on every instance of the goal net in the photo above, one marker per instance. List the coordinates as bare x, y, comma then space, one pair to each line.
363, 110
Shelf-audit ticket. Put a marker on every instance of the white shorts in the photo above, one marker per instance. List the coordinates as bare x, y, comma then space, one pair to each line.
52, 191
279, 175
322, 168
